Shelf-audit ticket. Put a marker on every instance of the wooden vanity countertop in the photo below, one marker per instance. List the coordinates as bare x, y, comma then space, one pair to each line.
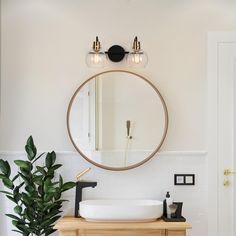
72, 223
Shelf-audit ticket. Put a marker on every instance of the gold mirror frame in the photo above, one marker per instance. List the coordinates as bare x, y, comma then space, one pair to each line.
131, 166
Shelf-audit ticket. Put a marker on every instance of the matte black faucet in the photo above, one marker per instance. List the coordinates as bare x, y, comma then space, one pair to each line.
79, 187
78, 195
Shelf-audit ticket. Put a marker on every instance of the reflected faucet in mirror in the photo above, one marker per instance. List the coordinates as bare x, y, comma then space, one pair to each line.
128, 126
79, 187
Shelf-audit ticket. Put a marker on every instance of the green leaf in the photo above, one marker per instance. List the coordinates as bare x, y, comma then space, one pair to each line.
50, 175
51, 190
11, 198
53, 154
16, 193
48, 160
18, 210
49, 206
30, 141
5, 192
25, 172
47, 185
38, 179
13, 217
52, 214
30, 152
53, 206
55, 167
50, 221
5, 168
26, 199
30, 188
41, 170
3, 176
49, 231
60, 181
30, 149
17, 231
48, 197
27, 215
67, 186
8, 183
23, 164
8, 168
14, 222
57, 195
23, 228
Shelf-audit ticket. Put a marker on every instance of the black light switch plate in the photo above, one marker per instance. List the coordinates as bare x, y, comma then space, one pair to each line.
184, 179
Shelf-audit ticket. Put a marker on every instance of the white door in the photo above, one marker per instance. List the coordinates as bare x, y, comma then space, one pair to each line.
222, 134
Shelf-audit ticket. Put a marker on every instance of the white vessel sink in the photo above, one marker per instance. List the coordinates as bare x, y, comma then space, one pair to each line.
121, 210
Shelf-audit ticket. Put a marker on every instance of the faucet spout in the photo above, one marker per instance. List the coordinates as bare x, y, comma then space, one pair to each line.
85, 184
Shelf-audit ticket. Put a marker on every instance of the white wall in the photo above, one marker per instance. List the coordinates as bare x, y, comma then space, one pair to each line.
43, 61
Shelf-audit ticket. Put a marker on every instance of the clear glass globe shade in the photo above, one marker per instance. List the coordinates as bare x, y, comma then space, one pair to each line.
137, 59
95, 59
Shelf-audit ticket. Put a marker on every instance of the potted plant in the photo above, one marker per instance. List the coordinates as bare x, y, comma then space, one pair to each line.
34, 191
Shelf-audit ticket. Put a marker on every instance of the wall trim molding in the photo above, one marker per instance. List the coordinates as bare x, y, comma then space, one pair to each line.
164, 153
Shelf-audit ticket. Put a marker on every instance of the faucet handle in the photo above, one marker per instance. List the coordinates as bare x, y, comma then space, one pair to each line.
78, 177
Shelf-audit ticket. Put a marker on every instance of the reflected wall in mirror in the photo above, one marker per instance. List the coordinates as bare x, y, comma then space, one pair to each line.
117, 120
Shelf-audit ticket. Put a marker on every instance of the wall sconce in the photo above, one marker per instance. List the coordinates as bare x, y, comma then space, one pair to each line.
116, 53
96, 58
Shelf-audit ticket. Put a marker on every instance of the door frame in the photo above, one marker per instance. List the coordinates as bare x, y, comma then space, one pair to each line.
214, 39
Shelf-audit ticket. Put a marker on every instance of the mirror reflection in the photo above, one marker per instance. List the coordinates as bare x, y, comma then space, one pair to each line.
117, 120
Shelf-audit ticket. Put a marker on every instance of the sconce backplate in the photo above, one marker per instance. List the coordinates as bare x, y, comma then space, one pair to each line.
116, 53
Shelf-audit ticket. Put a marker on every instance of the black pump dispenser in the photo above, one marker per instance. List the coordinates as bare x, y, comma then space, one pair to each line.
164, 205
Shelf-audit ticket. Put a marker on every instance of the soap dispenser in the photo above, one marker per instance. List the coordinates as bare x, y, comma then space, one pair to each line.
166, 203
169, 201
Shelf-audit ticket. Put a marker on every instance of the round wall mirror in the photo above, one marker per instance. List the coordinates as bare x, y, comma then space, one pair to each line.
117, 120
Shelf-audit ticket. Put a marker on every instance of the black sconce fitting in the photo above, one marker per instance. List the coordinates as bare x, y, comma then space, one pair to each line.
116, 53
